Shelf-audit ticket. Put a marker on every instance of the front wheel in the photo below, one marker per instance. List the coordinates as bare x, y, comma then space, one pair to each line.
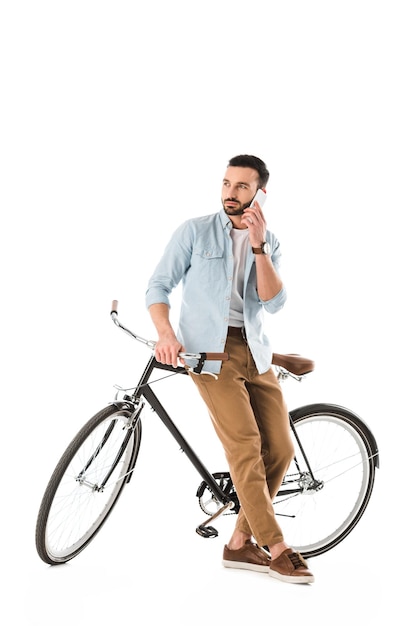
328, 485
87, 483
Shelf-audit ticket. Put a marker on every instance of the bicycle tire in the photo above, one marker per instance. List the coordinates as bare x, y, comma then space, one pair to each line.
343, 455
76, 504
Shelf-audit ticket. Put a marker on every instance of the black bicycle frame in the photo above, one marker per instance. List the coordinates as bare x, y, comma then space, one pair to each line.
143, 389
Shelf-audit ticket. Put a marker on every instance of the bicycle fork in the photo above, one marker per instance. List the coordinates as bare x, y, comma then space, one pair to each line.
130, 428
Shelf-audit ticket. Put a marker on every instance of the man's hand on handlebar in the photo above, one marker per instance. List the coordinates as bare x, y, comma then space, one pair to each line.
167, 350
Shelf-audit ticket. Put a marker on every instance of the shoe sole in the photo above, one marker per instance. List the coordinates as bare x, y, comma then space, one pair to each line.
249, 566
291, 579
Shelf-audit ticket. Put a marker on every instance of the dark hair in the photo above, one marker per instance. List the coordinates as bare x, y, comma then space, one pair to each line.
248, 160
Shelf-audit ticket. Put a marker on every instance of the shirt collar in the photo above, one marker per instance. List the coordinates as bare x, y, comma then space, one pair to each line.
225, 221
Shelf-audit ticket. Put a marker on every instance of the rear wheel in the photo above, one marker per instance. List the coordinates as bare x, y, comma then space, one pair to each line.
86, 484
327, 504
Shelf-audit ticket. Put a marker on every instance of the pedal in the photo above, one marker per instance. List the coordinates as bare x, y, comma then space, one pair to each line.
209, 531
206, 531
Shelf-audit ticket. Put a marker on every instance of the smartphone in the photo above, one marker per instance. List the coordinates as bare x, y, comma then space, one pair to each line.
259, 197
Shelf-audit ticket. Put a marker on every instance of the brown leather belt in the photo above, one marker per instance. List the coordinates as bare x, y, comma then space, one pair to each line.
236, 331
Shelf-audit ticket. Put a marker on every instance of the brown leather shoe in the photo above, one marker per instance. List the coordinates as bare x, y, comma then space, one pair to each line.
290, 567
250, 556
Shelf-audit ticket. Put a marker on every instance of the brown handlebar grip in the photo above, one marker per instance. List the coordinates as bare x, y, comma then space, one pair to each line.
217, 356
114, 306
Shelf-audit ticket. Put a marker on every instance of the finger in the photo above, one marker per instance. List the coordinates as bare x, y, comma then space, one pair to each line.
249, 216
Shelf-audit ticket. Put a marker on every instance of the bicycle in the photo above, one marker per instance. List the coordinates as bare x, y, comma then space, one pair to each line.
322, 498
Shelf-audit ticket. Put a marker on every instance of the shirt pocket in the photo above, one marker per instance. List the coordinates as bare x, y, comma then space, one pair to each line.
208, 264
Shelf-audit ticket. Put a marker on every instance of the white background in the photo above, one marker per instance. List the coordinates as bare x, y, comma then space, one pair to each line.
117, 122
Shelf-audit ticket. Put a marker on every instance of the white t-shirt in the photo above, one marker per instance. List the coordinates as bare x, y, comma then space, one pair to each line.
239, 249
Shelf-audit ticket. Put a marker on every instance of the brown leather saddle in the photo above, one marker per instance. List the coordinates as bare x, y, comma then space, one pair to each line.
293, 363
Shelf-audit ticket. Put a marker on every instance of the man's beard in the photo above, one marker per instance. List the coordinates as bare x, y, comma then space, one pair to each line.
235, 210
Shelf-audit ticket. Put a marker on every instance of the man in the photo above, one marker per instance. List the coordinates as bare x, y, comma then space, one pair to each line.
228, 264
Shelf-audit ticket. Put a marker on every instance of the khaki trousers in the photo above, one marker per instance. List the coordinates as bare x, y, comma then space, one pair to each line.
251, 420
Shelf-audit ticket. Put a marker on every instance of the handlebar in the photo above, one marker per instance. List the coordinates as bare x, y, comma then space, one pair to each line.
293, 363
200, 356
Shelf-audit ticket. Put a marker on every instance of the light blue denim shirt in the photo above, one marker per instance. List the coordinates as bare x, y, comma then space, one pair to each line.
200, 255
